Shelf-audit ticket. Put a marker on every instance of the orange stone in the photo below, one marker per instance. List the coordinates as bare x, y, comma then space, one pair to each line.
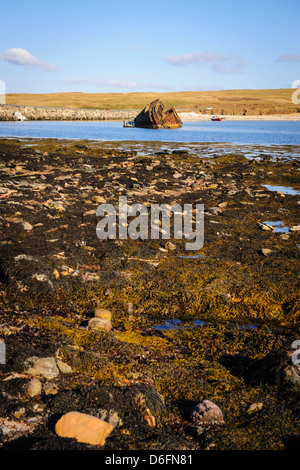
84, 428
103, 313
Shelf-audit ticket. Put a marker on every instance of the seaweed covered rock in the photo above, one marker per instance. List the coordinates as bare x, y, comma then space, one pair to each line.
150, 403
130, 405
27, 273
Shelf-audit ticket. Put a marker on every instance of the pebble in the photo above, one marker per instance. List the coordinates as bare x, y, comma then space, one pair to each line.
25, 257
50, 389
91, 277
63, 367
91, 212
40, 277
103, 313
39, 408
56, 273
16, 429
197, 185
99, 324
84, 428
27, 226
264, 226
255, 407
111, 417
58, 206
99, 199
265, 251
41, 366
34, 388
207, 413
295, 228
215, 210
129, 307
20, 412
292, 374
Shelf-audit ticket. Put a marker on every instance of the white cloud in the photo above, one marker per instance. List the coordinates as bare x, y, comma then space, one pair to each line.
23, 57
103, 83
217, 61
120, 84
288, 58
193, 57
77, 81
117, 84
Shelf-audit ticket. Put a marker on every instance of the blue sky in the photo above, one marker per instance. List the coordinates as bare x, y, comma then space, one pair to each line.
118, 46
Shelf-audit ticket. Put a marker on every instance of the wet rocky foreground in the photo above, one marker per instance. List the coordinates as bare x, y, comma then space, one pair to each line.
178, 330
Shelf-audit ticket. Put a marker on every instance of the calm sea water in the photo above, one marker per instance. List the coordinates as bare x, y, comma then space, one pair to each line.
234, 132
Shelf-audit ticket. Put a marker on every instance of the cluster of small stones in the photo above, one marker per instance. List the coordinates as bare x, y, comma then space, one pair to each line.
43, 368
101, 320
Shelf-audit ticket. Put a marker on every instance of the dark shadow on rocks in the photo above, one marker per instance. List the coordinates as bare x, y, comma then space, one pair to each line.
268, 369
3, 275
292, 443
184, 407
41, 440
22, 443
237, 364
52, 420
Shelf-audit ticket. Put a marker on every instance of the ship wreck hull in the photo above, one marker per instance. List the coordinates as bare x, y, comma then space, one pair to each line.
154, 116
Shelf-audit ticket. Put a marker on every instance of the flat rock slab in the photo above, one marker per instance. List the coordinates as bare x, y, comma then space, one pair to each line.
41, 366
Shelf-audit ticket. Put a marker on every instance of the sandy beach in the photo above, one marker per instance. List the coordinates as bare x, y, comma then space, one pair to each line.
191, 116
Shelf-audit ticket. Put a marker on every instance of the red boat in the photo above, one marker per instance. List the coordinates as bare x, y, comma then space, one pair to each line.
217, 118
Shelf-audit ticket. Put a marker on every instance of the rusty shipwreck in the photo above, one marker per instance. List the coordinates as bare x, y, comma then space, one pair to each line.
154, 116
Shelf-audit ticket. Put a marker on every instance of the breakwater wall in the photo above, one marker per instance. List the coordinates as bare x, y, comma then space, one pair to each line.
10, 112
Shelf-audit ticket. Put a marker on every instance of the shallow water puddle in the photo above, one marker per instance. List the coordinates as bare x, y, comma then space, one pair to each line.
199, 256
278, 226
178, 324
282, 189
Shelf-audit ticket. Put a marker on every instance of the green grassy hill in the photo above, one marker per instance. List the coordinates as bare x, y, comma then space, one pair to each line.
232, 102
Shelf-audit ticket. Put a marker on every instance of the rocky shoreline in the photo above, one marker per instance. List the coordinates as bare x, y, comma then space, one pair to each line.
159, 349
45, 113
